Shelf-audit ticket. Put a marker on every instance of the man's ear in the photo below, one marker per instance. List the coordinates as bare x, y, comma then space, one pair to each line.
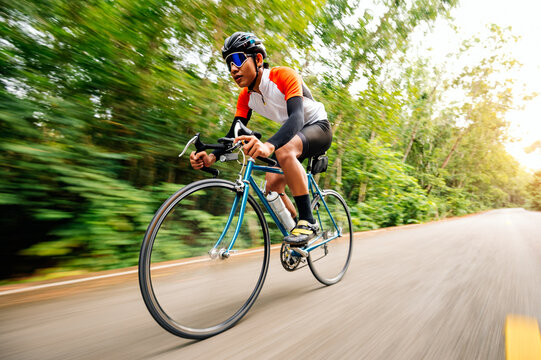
259, 59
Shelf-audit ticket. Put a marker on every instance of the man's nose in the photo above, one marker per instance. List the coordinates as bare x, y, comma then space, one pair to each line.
234, 68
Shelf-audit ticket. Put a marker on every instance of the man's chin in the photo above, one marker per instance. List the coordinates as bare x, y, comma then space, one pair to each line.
243, 83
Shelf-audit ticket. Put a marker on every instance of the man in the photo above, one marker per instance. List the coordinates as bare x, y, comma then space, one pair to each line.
279, 95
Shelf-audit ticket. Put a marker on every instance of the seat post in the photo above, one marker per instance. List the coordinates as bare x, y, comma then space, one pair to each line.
309, 167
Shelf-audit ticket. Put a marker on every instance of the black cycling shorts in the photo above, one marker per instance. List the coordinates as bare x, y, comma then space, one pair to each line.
316, 139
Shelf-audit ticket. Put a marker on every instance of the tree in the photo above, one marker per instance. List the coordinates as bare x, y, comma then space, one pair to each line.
534, 192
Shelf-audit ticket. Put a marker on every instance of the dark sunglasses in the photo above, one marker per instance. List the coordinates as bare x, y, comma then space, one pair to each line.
236, 58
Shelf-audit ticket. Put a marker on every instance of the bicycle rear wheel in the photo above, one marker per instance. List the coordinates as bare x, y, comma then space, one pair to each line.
189, 292
329, 262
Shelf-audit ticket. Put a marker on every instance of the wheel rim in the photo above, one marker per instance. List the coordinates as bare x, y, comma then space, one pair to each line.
330, 261
189, 293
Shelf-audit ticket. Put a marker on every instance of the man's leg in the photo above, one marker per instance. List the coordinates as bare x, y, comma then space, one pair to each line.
295, 176
294, 172
277, 183
297, 181
312, 140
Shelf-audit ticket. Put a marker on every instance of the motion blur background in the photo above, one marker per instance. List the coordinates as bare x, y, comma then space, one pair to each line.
98, 97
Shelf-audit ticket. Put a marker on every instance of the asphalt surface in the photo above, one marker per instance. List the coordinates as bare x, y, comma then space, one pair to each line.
435, 291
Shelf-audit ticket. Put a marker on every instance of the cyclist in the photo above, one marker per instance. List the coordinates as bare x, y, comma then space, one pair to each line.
279, 95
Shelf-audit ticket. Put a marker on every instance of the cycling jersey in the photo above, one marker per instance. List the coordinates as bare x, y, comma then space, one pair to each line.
285, 99
277, 86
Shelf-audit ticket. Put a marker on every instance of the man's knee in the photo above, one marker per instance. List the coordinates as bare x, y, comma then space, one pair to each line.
275, 182
289, 152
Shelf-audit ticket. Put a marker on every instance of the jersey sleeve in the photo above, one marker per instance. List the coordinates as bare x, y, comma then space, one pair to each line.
242, 104
292, 125
287, 80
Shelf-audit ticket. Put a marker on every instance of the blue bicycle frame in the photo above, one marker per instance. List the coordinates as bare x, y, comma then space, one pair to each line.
242, 198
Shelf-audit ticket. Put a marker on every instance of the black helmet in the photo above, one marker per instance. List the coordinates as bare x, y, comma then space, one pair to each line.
244, 42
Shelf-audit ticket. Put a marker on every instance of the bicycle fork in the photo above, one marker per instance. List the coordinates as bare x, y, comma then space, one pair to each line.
242, 186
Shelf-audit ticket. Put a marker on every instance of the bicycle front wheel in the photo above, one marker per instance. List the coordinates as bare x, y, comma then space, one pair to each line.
329, 261
191, 289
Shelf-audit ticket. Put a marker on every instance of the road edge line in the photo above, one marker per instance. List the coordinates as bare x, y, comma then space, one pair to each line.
31, 287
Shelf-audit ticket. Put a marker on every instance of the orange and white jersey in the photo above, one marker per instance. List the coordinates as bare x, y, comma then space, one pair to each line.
277, 86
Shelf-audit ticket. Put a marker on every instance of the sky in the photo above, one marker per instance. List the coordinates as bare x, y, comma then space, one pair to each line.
471, 17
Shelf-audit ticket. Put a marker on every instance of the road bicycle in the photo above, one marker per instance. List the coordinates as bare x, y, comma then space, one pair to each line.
206, 252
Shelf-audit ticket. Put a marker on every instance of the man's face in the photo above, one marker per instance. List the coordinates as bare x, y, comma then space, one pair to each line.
245, 74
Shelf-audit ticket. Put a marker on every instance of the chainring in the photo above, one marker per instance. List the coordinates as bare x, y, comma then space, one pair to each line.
289, 261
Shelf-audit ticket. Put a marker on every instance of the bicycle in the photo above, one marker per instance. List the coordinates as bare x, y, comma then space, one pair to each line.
199, 276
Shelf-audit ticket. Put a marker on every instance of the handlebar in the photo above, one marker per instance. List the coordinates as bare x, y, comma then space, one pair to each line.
227, 145
200, 146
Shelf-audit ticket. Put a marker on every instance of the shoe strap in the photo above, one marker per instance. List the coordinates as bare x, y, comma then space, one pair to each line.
302, 231
303, 227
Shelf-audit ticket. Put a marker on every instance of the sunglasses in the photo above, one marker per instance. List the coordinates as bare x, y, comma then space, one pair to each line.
236, 58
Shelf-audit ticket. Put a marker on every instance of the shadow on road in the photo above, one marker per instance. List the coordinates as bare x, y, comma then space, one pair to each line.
173, 348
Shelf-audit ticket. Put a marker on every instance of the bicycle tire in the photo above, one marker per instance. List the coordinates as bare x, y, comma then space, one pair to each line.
329, 262
172, 309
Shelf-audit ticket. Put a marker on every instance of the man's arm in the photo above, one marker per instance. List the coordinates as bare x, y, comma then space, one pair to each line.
295, 122
230, 133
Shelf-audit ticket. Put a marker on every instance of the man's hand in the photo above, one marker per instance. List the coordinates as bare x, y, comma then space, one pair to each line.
254, 148
201, 159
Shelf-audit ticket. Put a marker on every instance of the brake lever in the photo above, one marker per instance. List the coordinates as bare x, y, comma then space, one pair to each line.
236, 146
192, 141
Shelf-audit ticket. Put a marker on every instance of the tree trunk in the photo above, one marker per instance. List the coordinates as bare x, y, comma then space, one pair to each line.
410, 144
339, 169
364, 184
337, 123
327, 181
171, 174
338, 162
448, 158
417, 124
362, 192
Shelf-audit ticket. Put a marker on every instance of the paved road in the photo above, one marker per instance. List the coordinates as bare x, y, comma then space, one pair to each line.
435, 291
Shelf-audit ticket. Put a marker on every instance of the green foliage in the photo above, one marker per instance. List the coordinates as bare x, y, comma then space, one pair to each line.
97, 98
393, 196
534, 190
